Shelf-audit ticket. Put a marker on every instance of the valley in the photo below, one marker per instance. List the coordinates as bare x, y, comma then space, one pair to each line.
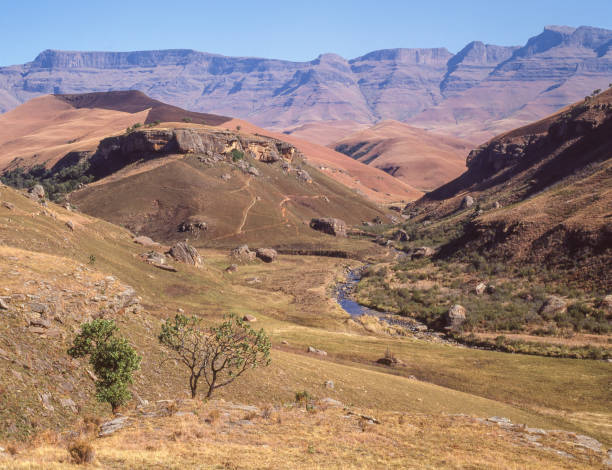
420, 301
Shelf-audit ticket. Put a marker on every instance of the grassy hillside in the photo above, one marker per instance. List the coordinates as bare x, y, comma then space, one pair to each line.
68, 272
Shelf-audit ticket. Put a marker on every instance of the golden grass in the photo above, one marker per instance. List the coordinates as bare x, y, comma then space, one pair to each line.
330, 439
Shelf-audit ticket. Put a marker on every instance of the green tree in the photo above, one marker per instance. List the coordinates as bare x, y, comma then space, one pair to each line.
220, 354
112, 358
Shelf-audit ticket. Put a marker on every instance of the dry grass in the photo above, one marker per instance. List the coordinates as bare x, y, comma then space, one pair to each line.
328, 439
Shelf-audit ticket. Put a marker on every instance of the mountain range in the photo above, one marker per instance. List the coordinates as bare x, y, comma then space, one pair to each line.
474, 94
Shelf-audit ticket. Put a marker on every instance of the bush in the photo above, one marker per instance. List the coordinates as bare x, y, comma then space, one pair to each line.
81, 452
221, 353
112, 358
237, 155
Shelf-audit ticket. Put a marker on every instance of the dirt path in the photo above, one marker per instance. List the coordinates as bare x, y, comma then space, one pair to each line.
245, 214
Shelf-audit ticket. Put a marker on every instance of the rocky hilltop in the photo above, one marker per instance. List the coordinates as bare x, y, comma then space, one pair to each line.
431, 87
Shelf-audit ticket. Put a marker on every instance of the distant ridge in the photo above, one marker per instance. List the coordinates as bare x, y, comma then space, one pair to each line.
475, 94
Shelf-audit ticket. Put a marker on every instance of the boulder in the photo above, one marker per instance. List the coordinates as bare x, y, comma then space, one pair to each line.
316, 351
193, 225
232, 268
423, 252
153, 257
480, 288
3, 304
185, 253
331, 226
303, 175
455, 316
243, 253
329, 384
70, 225
552, 306
401, 236
70, 404
36, 192
253, 171
8, 205
111, 427
249, 318
330, 402
40, 323
467, 202
267, 255
497, 205
145, 241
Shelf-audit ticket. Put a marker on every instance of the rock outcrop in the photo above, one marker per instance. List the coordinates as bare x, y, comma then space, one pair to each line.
114, 153
455, 317
242, 253
331, 226
267, 255
185, 253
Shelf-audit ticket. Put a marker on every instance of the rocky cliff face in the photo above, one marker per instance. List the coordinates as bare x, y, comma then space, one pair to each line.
114, 153
431, 87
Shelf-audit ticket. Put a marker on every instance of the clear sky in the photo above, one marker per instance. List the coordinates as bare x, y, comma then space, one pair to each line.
280, 29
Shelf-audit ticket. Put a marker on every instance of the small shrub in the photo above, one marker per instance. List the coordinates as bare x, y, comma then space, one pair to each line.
81, 452
237, 155
302, 396
213, 416
187, 119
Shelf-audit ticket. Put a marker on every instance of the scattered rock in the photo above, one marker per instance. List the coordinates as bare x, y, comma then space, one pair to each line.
46, 401
490, 289
423, 252
401, 236
145, 241
267, 255
111, 427
226, 177
166, 267
40, 323
480, 288
185, 253
38, 307
3, 304
285, 342
331, 226
390, 361
243, 253
37, 192
253, 171
327, 401
496, 205
193, 225
606, 302
68, 403
153, 257
249, 318
8, 205
319, 352
67, 206
303, 175
455, 316
70, 225
329, 384
467, 202
551, 306
232, 268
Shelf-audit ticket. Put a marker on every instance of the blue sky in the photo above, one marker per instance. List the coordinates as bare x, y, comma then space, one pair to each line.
281, 29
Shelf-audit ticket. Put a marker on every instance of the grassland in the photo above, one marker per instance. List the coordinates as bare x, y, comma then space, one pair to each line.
292, 303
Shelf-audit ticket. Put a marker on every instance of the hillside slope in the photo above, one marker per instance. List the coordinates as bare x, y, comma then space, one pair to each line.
422, 159
56, 277
46, 129
545, 192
